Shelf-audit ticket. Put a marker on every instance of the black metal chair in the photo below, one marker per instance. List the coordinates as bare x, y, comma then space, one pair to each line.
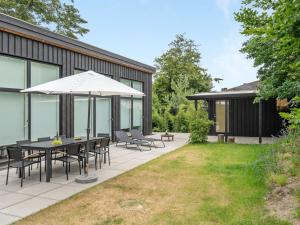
103, 135
18, 160
138, 135
103, 150
72, 154
44, 139
122, 137
29, 152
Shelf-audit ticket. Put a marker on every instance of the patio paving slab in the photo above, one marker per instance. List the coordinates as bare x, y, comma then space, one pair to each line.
7, 219
11, 199
28, 207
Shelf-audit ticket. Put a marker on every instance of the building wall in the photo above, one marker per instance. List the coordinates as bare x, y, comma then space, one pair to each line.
243, 116
26, 48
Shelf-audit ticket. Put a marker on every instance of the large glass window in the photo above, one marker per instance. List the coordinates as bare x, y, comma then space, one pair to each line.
13, 113
131, 114
13, 117
103, 115
44, 108
81, 115
12, 72
125, 113
44, 116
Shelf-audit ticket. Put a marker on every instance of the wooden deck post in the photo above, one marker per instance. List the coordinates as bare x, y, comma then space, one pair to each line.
260, 121
226, 120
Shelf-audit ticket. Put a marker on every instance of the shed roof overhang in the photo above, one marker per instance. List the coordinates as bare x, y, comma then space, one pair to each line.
223, 95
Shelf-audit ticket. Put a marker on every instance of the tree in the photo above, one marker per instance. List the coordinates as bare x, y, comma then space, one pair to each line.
63, 16
273, 28
180, 65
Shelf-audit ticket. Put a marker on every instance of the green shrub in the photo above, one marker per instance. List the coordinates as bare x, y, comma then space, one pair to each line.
199, 126
182, 119
293, 117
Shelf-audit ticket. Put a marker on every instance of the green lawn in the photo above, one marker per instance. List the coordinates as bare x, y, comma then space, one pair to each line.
197, 184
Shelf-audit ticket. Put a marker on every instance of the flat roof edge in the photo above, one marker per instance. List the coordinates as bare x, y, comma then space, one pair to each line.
19, 27
225, 94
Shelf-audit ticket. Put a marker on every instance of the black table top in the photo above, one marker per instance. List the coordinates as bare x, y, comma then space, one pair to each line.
48, 144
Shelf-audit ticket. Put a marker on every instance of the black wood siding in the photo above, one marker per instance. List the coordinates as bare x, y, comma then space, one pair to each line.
243, 116
14, 45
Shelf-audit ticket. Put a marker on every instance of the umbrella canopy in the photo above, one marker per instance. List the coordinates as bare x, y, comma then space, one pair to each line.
85, 83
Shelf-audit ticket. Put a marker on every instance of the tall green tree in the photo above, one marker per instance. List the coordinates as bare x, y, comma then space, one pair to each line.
273, 31
179, 72
64, 17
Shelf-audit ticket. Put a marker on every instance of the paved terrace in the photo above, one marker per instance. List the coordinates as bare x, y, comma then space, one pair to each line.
17, 202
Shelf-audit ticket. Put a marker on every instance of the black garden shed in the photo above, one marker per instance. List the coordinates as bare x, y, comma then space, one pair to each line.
235, 113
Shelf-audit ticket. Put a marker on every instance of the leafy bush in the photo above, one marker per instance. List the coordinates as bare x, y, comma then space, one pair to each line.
199, 126
293, 117
182, 119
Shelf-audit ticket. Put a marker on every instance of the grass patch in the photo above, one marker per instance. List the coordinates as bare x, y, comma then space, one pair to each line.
279, 179
197, 184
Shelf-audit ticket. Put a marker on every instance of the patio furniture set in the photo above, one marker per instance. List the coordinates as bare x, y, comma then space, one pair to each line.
25, 154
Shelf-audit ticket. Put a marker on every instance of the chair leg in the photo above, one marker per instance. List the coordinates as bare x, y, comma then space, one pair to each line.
69, 167
100, 160
96, 157
108, 157
67, 170
45, 164
7, 174
22, 175
29, 170
79, 165
40, 169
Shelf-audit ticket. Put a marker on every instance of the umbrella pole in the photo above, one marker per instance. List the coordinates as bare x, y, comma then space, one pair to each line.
87, 149
86, 178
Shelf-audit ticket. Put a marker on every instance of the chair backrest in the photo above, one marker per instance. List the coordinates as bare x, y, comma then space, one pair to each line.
121, 136
73, 149
103, 135
22, 142
44, 139
136, 134
92, 145
14, 153
104, 142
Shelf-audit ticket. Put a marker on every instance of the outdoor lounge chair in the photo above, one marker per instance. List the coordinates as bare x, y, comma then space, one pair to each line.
122, 137
137, 135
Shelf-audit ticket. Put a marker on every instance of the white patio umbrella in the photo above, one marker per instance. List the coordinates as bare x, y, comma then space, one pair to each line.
87, 83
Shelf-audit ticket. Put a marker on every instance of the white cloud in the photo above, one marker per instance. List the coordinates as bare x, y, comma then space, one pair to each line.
230, 64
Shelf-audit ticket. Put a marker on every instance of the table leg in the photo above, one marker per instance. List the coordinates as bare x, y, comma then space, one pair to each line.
48, 166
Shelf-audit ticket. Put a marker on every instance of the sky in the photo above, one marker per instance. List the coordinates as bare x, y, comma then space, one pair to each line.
142, 29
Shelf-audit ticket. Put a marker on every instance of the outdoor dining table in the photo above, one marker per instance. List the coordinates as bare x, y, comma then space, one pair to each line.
48, 147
